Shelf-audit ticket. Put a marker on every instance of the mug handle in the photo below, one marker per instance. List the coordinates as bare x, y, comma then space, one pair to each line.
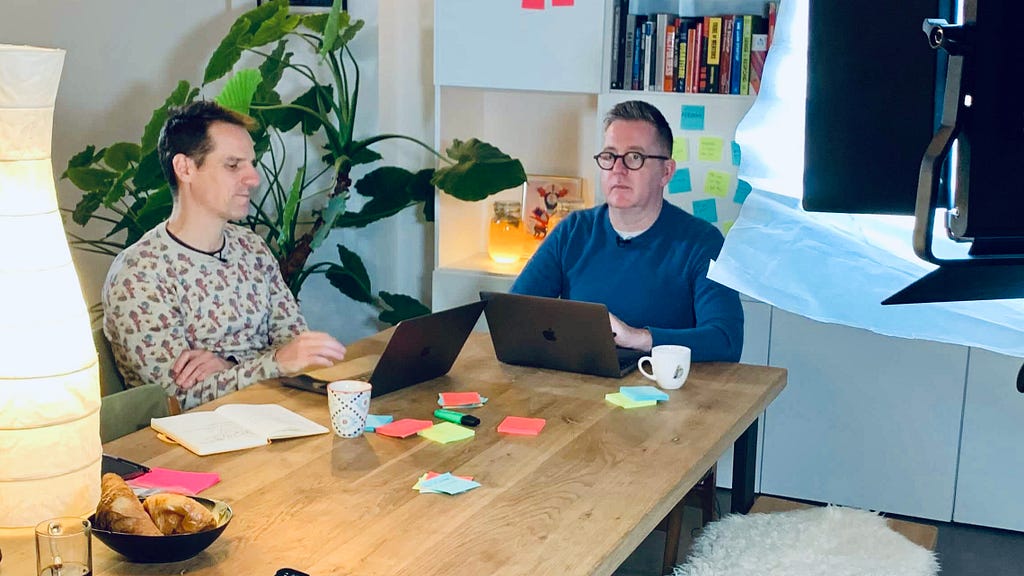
640, 367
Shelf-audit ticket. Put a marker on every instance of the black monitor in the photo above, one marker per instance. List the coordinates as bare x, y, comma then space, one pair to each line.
890, 94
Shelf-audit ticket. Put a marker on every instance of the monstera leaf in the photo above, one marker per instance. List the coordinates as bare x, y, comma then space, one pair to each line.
480, 170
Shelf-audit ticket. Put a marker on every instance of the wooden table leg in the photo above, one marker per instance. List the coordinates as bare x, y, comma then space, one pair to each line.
673, 528
744, 461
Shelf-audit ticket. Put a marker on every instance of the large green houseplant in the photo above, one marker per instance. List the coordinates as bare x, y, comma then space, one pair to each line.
125, 191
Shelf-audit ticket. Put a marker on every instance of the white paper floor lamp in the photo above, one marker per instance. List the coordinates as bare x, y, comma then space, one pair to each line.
49, 381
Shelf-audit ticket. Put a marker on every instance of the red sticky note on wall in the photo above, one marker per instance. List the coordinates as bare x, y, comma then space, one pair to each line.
533, 4
561, 2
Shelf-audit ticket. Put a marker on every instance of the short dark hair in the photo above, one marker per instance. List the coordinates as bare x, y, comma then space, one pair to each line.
186, 131
640, 111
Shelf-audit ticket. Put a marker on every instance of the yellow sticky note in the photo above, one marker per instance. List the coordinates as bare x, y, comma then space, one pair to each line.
446, 432
709, 149
619, 399
726, 226
680, 149
716, 184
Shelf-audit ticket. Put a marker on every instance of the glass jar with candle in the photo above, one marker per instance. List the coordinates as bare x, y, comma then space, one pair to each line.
561, 212
505, 236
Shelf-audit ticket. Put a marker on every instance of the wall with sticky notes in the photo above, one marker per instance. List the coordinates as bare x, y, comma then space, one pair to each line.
706, 154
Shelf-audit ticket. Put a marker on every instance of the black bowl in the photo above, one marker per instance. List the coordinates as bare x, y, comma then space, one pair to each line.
172, 548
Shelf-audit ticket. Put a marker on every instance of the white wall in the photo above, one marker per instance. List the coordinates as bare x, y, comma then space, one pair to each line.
125, 56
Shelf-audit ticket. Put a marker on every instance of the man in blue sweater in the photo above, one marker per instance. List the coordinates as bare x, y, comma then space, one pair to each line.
644, 258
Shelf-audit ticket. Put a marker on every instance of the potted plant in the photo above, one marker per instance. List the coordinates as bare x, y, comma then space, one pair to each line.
124, 188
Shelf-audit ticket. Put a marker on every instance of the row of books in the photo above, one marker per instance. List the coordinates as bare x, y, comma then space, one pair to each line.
721, 54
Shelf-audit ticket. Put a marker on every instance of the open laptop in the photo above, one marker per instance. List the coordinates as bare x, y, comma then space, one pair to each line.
555, 333
420, 349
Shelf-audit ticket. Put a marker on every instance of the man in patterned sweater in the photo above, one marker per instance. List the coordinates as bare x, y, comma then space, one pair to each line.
198, 305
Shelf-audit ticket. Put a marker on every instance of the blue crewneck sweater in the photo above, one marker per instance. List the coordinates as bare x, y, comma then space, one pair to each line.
657, 280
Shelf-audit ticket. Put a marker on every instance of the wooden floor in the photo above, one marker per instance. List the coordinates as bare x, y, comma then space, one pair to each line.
920, 534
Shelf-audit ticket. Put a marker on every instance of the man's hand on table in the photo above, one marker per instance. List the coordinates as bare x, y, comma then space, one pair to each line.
195, 365
309, 350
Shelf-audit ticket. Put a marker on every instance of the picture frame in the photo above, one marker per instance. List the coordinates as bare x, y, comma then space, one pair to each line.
541, 197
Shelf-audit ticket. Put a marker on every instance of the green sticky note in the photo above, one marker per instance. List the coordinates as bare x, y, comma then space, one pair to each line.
716, 184
680, 149
619, 399
709, 149
706, 210
680, 181
726, 226
736, 156
743, 190
446, 432
692, 118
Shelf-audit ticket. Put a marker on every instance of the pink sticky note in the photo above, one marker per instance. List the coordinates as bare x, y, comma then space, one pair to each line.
521, 426
533, 4
460, 398
190, 483
403, 428
432, 474
561, 2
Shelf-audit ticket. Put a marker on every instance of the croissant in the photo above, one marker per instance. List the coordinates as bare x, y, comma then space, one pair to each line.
119, 509
177, 514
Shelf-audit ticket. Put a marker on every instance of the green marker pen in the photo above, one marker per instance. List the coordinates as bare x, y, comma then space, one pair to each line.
456, 417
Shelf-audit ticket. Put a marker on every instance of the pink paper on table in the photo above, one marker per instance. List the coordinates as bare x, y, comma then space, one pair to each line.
521, 426
460, 398
533, 4
188, 483
403, 428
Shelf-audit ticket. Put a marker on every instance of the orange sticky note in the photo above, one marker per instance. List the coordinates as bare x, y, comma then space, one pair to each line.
521, 426
404, 428
533, 4
460, 398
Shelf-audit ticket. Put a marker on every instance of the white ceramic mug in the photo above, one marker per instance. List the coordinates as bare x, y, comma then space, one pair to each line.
670, 365
349, 403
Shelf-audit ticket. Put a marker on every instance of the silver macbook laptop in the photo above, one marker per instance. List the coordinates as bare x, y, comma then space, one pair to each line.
420, 349
554, 333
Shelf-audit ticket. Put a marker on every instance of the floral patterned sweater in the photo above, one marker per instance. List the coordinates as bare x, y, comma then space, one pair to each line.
161, 298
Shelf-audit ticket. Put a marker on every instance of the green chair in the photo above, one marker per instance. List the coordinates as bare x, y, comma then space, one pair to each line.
125, 410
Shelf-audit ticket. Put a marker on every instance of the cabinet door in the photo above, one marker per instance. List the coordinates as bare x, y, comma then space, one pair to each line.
757, 323
498, 44
991, 459
865, 420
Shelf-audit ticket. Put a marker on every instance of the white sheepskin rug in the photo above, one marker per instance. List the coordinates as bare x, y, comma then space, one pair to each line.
829, 541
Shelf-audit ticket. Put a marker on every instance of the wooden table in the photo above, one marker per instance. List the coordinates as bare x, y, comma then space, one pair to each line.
577, 499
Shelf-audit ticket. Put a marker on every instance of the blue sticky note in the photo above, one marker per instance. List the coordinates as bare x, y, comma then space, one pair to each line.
641, 393
706, 210
743, 190
735, 153
692, 118
374, 420
448, 484
680, 181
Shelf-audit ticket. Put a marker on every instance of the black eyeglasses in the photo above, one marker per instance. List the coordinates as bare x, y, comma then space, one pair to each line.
631, 160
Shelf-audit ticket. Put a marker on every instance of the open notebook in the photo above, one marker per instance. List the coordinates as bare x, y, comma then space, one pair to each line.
234, 427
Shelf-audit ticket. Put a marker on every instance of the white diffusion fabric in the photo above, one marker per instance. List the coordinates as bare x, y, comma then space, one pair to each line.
49, 379
833, 267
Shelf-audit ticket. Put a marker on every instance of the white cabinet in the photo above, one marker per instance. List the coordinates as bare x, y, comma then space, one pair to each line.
991, 469
498, 44
865, 420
